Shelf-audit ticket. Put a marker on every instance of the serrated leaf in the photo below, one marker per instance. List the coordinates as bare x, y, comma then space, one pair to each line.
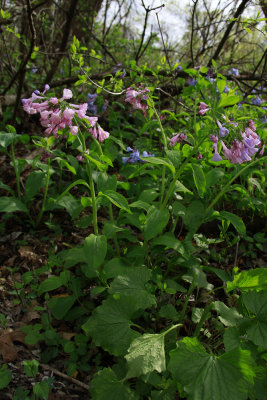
206, 376
110, 325
132, 283
146, 354
105, 385
11, 204
199, 179
257, 304
116, 198
235, 220
156, 220
254, 279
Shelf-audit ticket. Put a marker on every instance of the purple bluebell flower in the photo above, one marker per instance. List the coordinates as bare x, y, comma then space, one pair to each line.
234, 71
223, 131
191, 81
105, 105
257, 101
178, 68
135, 156
119, 67
91, 107
33, 70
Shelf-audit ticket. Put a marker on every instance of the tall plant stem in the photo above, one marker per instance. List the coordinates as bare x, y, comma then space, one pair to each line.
164, 139
115, 236
92, 190
14, 161
45, 193
190, 290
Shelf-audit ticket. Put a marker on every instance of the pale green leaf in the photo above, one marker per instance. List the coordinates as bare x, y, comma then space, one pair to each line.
146, 354
257, 304
253, 279
156, 220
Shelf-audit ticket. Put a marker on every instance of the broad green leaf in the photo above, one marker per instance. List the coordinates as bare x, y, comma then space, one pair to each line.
6, 138
221, 84
254, 279
71, 204
140, 204
67, 165
206, 376
105, 385
228, 316
116, 198
95, 249
132, 283
159, 161
257, 304
194, 215
228, 100
49, 284
106, 182
156, 220
231, 338
60, 306
146, 354
199, 179
11, 204
213, 176
235, 220
259, 390
169, 240
34, 182
41, 390
110, 325
5, 376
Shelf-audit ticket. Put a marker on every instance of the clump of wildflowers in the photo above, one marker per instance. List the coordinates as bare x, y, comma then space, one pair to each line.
178, 138
137, 98
135, 156
241, 150
234, 71
56, 115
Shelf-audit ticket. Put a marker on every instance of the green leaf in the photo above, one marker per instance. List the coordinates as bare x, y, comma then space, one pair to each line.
5, 376
60, 306
156, 220
228, 100
206, 376
169, 240
41, 389
247, 280
257, 304
116, 198
140, 204
221, 84
146, 354
228, 316
6, 187
105, 385
34, 182
11, 204
235, 220
132, 283
199, 179
49, 284
71, 204
159, 161
6, 138
194, 215
110, 325
95, 249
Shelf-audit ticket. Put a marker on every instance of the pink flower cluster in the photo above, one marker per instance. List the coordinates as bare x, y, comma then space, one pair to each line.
241, 151
177, 139
203, 108
137, 98
55, 115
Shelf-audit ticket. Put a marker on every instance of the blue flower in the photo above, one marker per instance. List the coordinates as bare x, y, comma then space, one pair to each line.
191, 81
234, 71
257, 101
135, 156
223, 131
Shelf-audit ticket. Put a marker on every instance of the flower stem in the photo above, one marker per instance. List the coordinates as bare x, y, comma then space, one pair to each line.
14, 162
45, 193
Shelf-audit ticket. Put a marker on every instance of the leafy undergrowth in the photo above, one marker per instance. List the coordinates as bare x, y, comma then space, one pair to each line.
133, 257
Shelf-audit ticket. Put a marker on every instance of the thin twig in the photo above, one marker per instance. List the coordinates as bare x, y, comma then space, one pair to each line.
69, 378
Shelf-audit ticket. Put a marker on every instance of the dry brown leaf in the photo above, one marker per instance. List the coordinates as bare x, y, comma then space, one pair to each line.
27, 252
7, 348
